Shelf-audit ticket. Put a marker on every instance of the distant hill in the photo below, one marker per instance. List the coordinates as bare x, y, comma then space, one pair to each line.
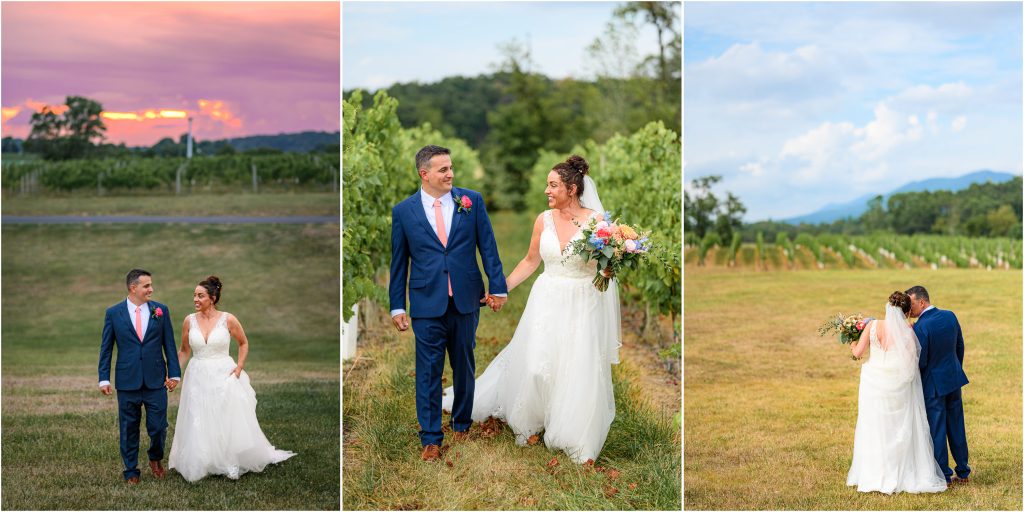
302, 142
857, 207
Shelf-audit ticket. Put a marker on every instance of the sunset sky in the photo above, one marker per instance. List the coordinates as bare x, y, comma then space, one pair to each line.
239, 68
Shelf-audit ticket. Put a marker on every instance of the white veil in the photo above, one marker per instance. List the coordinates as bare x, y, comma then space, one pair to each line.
903, 345
590, 199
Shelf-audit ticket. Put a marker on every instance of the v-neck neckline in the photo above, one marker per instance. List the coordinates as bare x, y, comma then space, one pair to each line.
206, 338
578, 229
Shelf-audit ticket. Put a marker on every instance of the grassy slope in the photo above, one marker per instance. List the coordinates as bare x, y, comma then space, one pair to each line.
771, 407
260, 205
60, 435
381, 449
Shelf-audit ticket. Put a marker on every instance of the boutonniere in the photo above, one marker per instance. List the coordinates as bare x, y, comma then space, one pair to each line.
156, 313
464, 202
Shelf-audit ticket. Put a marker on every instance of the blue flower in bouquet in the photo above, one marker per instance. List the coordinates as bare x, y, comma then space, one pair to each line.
597, 242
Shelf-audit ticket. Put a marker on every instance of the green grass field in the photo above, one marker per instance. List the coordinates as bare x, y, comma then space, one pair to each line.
382, 466
258, 205
60, 435
771, 407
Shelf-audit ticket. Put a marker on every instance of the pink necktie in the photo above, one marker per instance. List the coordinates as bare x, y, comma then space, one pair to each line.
439, 220
138, 322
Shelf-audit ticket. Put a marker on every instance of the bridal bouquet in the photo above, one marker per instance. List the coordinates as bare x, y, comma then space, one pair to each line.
848, 328
615, 246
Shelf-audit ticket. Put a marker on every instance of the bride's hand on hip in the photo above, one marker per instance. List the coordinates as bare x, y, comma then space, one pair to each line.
236, 372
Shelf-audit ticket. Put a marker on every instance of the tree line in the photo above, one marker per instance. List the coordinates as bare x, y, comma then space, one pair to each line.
981, 210
511, 115
78, 132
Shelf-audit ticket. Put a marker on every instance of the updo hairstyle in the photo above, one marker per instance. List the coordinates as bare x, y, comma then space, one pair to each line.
572, 172
213, 286
900, 300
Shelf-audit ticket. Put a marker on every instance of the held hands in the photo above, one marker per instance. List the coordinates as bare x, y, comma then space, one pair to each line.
494, 302
170, 384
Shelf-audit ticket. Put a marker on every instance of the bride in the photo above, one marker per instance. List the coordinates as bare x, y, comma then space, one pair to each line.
216, 432
892, 447
555, 374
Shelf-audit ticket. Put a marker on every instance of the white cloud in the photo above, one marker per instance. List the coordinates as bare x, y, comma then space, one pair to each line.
747, 72
959, 123
818, 147
753, 168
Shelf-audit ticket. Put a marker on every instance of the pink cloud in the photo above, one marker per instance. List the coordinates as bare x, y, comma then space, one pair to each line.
259, 60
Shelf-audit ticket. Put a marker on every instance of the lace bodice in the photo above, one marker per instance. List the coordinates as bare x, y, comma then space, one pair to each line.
215, 344
555, 261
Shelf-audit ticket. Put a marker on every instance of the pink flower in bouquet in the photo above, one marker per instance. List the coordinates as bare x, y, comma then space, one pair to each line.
860, 325
630, 246
603, 233
601, 225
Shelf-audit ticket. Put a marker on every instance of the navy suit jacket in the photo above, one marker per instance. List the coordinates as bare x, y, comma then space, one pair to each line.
139, 365
417, 255
942, 352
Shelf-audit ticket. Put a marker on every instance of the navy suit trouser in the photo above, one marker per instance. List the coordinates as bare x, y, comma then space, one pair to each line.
129, 414
455, 333
946, 419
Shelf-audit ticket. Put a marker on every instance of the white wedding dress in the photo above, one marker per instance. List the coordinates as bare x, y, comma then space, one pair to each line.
892, 447
555, 374
216, 432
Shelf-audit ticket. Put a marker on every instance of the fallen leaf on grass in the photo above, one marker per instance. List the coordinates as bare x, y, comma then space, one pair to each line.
444, 380
632, 486
449, 463
553, 462
589, 464
533, 440
613, 474
610, 491
529, 501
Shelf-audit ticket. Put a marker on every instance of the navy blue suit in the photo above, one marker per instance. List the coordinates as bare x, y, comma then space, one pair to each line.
942, 376
141, 370
441, 322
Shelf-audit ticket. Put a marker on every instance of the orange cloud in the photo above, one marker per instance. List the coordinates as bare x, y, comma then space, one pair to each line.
145, 115
219, 111
9, 113
38, 106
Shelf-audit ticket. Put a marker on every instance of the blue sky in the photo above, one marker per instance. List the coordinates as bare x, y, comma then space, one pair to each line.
830, 101
388, 42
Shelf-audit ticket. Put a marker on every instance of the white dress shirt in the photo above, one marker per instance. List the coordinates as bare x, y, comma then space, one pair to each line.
144, 314
925, 310
447, 211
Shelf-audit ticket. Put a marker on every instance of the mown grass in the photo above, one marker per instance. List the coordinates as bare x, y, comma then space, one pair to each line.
60, 437
200, 204
771, 407
381, 449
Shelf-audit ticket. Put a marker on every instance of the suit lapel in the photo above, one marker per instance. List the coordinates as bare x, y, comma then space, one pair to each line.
416, 210
456, 216
152, 327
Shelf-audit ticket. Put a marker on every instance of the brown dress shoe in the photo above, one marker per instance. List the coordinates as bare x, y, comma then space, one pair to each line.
460, 436
132, 481
431, 452
959, 481
157, 468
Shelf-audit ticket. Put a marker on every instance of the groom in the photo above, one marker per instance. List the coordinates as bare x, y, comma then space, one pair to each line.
142, 331
439, 230
942, 376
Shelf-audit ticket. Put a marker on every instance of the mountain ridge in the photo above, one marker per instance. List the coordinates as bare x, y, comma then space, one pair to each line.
856, 207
